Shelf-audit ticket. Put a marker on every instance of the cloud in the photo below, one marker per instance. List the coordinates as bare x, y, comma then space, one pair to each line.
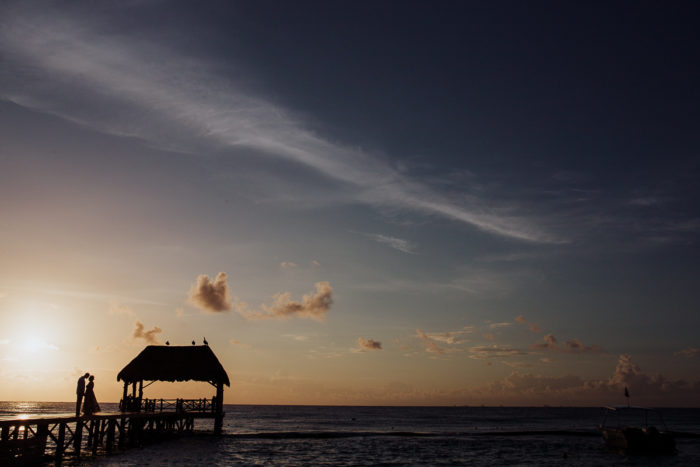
652, 390
148, 336
532, 326
494, 351
499, 325
211, 296
315, 263
240, 344
500, 282
450, 337
576, 346
368, 344
549, 342
399, 244
181, 104
312, 306
297, 337
689, 352
288, 265
116, 308
429, 344
430, 340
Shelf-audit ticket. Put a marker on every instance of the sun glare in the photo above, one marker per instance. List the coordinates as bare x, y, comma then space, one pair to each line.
34, 345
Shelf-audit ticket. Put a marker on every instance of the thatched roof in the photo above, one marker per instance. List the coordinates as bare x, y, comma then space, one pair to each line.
174, 363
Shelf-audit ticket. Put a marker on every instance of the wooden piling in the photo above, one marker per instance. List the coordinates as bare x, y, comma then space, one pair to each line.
122, 433
60, 442
78, 437
219, 417
95, 435
42, 433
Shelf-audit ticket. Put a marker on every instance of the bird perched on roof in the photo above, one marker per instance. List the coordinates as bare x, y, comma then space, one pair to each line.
167, 342
192, 341
205, 341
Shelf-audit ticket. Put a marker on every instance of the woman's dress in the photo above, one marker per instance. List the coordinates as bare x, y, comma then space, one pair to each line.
90, 404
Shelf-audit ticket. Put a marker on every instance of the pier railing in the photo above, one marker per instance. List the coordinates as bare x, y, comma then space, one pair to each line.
179, 405
196, 406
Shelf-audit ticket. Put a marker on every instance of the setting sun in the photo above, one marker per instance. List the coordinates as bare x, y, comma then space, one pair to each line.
36, 344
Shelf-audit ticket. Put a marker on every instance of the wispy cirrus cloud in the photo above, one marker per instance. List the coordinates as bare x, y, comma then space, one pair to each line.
399, 244
450, 337
429, 344
181, 104
494, 351
445, 342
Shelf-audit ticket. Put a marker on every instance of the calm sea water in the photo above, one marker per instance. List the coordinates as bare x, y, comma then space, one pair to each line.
297, 435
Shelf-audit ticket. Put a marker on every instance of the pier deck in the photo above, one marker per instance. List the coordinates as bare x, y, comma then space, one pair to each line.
31, 440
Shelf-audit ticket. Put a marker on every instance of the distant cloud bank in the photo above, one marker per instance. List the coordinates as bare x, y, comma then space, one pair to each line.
689, 352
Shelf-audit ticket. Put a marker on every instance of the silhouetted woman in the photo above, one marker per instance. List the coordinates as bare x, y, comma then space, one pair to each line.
90, 405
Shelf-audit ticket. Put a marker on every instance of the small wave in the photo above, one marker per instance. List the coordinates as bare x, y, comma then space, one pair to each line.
400, 434
327, 434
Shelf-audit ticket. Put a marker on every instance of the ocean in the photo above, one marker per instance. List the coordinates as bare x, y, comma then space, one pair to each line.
424, 436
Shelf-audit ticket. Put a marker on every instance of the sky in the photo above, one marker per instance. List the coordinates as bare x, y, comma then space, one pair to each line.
354, 202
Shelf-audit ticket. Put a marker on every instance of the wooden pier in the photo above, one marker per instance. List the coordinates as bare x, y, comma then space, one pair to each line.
30, 441
35, 440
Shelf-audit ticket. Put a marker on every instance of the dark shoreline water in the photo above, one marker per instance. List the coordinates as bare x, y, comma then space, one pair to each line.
331, 435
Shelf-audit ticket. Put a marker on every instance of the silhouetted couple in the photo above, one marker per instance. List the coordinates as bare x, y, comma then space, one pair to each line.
86, 396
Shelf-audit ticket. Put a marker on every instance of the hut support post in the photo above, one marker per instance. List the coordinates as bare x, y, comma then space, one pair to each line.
125, 406
219, 419
136, 408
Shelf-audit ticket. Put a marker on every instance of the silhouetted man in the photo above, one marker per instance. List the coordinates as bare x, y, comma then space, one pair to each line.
80, 392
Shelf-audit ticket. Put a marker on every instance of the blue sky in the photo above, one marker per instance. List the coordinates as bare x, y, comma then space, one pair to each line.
408, 201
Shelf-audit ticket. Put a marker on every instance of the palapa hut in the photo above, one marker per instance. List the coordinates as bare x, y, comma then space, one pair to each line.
175, 363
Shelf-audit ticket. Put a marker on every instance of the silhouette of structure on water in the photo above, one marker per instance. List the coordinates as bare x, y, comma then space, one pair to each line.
30, 441
174, 363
